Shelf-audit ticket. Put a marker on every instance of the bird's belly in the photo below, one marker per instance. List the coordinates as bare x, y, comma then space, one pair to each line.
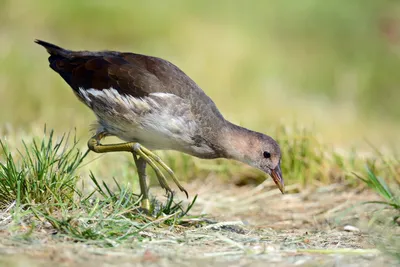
154, 131
159, 121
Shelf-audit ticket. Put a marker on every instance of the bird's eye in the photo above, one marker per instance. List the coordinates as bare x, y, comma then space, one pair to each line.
267, 155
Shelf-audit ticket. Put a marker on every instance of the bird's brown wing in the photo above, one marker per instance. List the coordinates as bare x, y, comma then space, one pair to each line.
105, 72
128, 73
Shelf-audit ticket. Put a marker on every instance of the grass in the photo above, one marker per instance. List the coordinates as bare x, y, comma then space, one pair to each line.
390, 194
386, 222
39, 186
44, 172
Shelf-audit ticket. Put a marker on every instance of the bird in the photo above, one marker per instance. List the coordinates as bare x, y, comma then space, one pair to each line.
151, 104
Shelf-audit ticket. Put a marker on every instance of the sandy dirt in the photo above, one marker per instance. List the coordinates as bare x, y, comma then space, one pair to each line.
244, 226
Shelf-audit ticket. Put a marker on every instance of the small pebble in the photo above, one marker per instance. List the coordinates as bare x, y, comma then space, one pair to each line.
350, 228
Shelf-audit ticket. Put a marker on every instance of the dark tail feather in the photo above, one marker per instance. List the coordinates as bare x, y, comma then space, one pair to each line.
59, 59
53, 49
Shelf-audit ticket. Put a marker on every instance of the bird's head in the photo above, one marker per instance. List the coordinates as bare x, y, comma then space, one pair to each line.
258, 150
268, 159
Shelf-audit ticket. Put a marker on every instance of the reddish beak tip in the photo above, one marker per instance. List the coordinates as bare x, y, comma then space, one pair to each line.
276, 175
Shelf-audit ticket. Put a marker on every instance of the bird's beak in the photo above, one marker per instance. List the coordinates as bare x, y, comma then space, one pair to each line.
276, 175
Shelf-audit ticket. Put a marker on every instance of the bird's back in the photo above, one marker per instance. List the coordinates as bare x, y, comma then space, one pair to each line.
128, 73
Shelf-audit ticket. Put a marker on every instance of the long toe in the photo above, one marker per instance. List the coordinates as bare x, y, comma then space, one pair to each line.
158, 160
153, 160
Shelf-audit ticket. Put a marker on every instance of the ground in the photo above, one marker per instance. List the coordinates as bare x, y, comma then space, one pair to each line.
243, 226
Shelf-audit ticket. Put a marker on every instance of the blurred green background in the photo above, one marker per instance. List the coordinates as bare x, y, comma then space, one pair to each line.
331, 65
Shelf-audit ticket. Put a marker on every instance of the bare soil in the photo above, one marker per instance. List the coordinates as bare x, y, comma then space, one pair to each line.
243, 226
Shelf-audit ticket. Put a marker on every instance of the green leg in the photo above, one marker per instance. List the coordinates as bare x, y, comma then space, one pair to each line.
137, 150
141, 169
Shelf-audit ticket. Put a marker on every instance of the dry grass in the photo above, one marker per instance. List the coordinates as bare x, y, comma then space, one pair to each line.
239, 238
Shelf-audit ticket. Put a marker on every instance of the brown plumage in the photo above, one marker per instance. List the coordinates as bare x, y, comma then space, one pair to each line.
149, 100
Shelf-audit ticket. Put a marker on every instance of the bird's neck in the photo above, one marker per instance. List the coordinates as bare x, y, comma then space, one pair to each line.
238, 142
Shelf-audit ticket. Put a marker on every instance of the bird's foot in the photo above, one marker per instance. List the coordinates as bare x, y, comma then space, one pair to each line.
157, 164
146, 155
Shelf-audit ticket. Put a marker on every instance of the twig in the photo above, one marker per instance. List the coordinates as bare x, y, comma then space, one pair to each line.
348, 251
224, 253
222, 224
